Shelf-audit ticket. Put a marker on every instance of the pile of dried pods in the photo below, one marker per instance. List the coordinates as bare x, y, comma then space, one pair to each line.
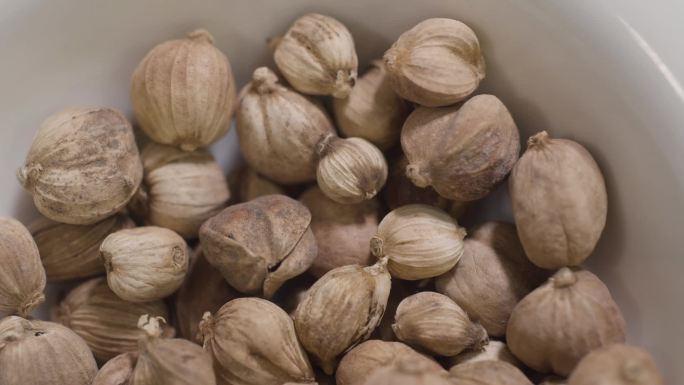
364, 277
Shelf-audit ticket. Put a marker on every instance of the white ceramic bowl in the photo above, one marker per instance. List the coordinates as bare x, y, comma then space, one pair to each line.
606, 73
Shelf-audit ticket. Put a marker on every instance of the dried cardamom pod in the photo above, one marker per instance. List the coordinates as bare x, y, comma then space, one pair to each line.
183, 92
554, 380
492, 276
372, 110
436, 63
420, 242
83, 165
145, 263
559, 201
117, 371
406, 370
260, 244
359, 363
341, 310
40, 353
247, 184
557, 324
350, 170
400, 191
107, 323
278, 129
342, 231
488, 372
492, 351
317, 56
617, 364
73, 251
253, 342
22, 276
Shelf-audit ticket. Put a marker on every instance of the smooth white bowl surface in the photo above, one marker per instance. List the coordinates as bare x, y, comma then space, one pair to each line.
607, 74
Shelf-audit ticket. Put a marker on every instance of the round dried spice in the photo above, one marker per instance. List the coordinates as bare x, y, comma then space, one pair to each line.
488, 372
617, 364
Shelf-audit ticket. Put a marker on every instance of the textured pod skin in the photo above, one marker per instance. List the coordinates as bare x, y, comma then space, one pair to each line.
182, 189
493, 351
145, 263
372, 111
260, 244
554, 380
253, 342
488, 373
278, 129
317, 56
107, 323
400, 191
342, 231
117, 371
350, 170
559, 201
436, 63
492, 276
246, 184
359, 363
434, 322
73, 251
83, 165
463, 152
43, 353
420, 241
557, 324
183, 92
617, 364
341, 310
408, 371
22, 276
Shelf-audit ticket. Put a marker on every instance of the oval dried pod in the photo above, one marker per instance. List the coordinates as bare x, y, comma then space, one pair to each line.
464, 151
317, 56
488, 373
434, 322
41, 352
83, 165
492, 351
260, 330
247, 184
73, 251
340, 310
617, 364
400, 191
420, 242
183, 92
372, 111
145, 263
359, 363
22, 276
557, 324
117, 371
278, 129
492, 276
260, 244
408, 371
559, 201
438, 62
107, 323
350, 170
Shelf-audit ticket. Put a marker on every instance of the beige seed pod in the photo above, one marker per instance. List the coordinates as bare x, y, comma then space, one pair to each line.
372, 110
464, 151
278, 129
350, 170
117, 371
492, 276
488, 373
359, 363
183, 92
557, 324
420, 241
107, 323
41, 353
341, 310
342, 231
559, 201
22, 276
617, 364
554, 380
73, 251
83, 165
400, 191
434, 322
260, 244
253, 342
247, 184
145, 263
409, 371
492, 351
317, 56
436, 63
